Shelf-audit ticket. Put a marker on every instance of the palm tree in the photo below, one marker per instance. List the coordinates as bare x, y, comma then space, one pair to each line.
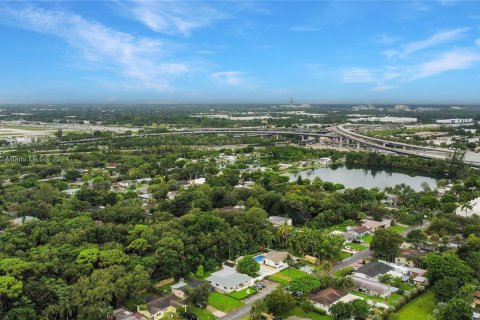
285, 230
466, 206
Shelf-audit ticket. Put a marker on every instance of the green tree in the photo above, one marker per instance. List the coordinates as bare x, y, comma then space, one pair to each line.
248, 265
200, 273
259, 310
446, 288
198, 295
386, 244
10, 288
305, 284
456, 309
341, 311
360, 309
279, 301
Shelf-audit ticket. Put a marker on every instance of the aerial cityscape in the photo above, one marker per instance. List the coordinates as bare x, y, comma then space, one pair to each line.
234, 160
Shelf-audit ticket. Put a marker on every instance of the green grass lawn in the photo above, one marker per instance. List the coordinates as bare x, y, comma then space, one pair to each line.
287, 275
297, 311
342, 226
242, 294
356, 246
420, 308
223, 302
344, 255
202, 314
391, 300
367, 239
398, 228
343, 272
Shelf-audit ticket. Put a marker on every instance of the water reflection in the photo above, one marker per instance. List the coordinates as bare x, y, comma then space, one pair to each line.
366, 178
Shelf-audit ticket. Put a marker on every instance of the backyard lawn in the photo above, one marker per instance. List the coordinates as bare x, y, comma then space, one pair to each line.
342, 226
202, 314
287, 275
223, 302
356, 246
367, 239
242, 294
391, 300
297, 311
420, 308
397, 228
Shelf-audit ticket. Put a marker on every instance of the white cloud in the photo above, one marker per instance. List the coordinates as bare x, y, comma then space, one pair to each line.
382, 87
172, 17
139, 60
232, 78
357, 75
477, 42
305, 28
449, 61
437, 38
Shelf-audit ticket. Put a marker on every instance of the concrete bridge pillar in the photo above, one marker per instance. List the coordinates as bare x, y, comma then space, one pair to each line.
358, 145
276, 136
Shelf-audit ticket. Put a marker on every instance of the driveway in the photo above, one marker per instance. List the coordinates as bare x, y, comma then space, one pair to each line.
244, 311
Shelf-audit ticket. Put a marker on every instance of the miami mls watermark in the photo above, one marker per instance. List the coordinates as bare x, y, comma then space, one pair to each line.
34, 158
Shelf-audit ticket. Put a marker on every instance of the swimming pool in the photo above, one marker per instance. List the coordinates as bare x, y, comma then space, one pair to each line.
259, 258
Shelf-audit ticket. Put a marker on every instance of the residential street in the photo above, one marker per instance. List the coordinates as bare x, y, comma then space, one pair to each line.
244, 311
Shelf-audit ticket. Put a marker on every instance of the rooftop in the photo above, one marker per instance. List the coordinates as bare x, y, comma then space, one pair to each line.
276, 256
162, 303
374, 268
327, 296
228, 277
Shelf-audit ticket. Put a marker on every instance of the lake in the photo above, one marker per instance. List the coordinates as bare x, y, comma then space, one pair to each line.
366, 178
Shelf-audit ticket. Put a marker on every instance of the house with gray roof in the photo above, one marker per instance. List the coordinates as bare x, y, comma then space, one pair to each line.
373, 270
229, 280
372, 287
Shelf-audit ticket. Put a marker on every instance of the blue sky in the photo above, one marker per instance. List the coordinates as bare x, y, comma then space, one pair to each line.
314, 51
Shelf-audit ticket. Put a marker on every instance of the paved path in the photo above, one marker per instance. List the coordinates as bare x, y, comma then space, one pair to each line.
244, 311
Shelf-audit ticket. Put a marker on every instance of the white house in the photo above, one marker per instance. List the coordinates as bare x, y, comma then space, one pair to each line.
229, 280
278, 221
275, 259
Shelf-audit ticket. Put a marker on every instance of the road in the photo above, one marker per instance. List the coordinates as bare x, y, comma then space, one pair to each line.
359, 256
244, 311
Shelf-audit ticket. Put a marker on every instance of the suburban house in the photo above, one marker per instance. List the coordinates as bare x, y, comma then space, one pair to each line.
180, 289
71, 192
279, 221
326, 298
124, 314
157, 308
420, 280
21, 220
276, 259
372, 287
360, 230
171, 195
112, 165
350, 236
229, 280
373, 270
410, 257
373, 225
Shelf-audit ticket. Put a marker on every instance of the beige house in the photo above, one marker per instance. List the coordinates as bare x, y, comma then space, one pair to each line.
157, 308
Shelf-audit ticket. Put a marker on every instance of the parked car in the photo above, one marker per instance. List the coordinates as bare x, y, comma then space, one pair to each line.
189, 316
297, 294
357, 241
